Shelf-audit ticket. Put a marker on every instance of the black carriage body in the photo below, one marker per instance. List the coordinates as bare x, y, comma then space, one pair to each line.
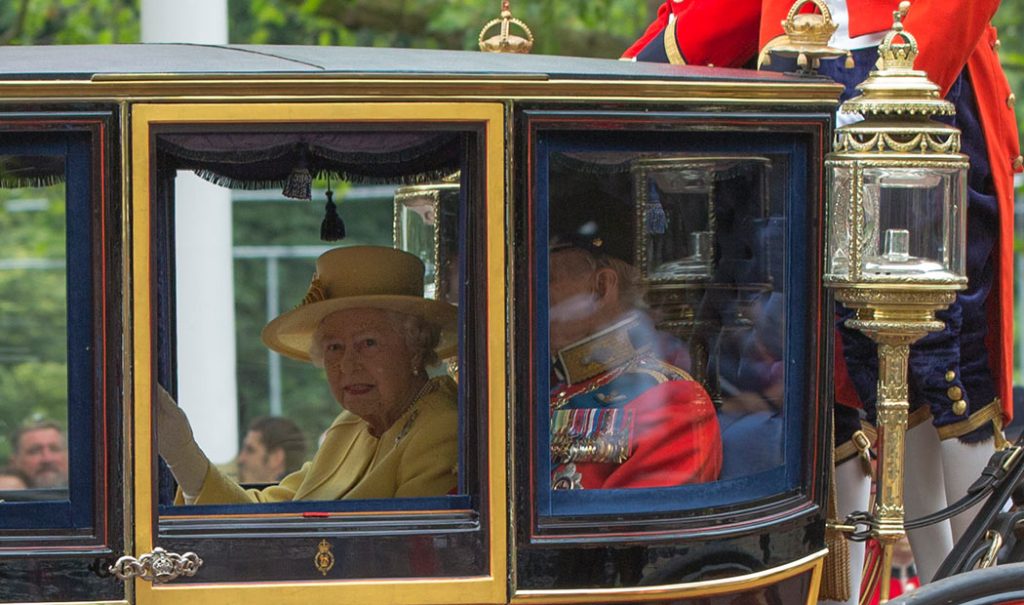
532, 137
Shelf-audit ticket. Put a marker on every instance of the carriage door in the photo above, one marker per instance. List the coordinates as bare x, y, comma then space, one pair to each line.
337, 512
61, 490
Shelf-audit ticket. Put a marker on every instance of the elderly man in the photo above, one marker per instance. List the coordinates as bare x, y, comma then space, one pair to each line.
621, 417
272, 448
40, 454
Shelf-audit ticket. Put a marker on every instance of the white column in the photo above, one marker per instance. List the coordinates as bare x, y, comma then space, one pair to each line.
193, 21
207, 379
207, 384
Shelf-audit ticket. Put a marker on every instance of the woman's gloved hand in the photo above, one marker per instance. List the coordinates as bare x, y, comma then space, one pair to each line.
178, 446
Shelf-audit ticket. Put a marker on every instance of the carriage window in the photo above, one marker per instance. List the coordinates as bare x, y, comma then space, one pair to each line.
46, 347
667, 317
293, 369
33, 358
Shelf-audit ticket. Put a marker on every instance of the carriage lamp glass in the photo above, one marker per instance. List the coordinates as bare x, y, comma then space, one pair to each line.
425, 221
893, 221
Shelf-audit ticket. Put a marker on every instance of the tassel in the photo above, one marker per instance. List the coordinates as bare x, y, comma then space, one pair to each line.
835, 573
333, 228
657, 221
299, 185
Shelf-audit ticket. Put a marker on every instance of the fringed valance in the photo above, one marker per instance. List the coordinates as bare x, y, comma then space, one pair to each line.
282, 159
17, 171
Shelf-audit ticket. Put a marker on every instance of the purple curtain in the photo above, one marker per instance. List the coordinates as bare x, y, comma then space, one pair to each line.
266, 160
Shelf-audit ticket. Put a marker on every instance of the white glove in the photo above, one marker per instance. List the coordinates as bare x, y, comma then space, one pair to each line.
177, 445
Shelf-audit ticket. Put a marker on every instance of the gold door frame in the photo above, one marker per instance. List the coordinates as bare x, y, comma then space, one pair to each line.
491, 588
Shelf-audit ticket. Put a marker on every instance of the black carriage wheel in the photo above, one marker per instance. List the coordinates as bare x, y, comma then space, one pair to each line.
993, 586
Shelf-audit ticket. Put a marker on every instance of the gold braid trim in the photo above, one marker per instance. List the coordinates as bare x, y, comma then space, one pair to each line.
989, 413
675, 57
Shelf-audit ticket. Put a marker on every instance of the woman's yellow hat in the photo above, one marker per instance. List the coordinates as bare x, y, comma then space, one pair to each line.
359, 277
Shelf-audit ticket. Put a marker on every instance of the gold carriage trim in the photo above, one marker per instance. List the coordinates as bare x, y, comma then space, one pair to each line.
993, 412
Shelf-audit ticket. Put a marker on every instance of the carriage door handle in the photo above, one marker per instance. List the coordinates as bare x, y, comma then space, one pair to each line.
158, 566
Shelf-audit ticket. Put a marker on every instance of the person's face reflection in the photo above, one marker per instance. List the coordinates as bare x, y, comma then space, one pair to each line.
42, 458
368, 364
572, 298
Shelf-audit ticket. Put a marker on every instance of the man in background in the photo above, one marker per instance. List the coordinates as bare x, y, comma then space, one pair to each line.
40, 454
273, 448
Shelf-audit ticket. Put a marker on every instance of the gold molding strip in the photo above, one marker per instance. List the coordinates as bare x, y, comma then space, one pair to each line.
322, 89
768, 577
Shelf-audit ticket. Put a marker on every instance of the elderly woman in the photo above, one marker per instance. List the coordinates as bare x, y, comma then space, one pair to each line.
365, 321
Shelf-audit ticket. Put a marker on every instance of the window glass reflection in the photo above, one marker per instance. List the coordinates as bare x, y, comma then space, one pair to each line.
33, 321
666, 319
341, 388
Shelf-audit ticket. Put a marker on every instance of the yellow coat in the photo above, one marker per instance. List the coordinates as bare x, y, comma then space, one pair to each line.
416, 457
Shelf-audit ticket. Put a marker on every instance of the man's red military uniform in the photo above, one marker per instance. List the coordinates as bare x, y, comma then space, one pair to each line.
622, 418
721, 33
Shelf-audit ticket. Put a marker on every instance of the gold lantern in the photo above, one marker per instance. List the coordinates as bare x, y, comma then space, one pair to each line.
677, 235
426, 225
895, 250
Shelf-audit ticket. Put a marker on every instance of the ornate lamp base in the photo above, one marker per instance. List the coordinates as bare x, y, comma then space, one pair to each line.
894, 320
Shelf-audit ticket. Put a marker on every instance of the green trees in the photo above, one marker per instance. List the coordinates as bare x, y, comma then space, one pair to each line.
33, 314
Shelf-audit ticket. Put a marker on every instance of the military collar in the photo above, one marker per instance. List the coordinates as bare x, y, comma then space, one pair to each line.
610, 348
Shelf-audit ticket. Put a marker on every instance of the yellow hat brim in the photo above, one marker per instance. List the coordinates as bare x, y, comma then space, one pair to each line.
291, 333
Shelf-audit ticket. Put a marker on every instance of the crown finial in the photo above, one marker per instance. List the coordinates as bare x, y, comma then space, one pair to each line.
895, 88
505, 41
894, 55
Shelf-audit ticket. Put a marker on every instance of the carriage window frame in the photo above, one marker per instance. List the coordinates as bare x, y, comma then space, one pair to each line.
165, 285
788, 489
486, 507
79, 518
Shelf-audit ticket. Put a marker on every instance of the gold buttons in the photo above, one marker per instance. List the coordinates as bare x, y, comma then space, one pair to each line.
1018, 162
955, 393
960, 407
996, 44
950, 376
1011, 100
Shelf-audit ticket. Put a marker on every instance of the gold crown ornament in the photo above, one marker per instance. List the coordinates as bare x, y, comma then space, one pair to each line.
505, 41
895, 87
806, 38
